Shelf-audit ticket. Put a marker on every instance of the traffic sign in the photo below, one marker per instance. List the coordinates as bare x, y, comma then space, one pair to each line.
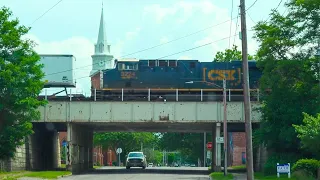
219, 140
209, 145
64, 143
119, 151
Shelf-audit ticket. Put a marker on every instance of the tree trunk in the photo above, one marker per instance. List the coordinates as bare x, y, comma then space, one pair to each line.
318, 174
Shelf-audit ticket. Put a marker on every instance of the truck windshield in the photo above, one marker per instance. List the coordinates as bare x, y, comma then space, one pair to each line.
135, 155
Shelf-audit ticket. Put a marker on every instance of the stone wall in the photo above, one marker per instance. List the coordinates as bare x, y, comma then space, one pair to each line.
17, 163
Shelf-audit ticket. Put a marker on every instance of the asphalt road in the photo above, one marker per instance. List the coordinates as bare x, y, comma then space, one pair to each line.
137, 177
154, 173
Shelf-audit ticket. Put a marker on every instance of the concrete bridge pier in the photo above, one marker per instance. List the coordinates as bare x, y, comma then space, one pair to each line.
79, 149
42, 148
216, 148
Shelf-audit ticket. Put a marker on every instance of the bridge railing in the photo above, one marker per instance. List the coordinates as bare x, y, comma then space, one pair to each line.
173, 95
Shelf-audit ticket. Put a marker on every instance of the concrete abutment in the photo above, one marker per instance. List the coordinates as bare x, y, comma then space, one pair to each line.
79, 148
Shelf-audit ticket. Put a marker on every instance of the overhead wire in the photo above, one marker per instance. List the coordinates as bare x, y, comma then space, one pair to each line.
231, 22
46, 12
158, 44
274, 9
179, 52
235, 33
152, 47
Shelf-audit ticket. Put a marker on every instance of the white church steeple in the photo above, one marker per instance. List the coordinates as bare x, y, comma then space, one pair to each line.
102, 58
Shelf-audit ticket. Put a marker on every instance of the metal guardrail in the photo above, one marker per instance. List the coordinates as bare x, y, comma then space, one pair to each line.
162, 95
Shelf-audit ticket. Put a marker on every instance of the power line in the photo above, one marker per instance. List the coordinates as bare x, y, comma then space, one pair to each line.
274, 9
152, 47
156, 45
231, 22
235, 32
251, 18
46, 12
195, 47
190, 49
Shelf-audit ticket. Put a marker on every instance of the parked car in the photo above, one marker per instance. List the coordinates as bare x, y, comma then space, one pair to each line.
150, 165
136, 159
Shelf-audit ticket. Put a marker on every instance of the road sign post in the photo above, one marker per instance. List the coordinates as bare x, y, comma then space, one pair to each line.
119, 151
283, 168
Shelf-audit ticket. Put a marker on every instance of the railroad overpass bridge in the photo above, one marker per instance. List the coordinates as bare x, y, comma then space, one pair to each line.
146, 116
81, 118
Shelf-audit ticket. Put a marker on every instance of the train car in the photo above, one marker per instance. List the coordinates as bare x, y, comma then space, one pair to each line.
164, 77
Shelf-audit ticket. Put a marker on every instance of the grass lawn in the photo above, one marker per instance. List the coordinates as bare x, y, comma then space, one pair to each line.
260, 176
238, 167
220, 175
39, 174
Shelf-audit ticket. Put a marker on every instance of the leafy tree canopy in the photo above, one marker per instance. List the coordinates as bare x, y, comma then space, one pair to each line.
230, 55
309, 133
189, 144
286, 56
20, 84
127, 141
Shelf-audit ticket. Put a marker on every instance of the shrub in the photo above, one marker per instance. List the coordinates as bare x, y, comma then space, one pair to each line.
308, 165
302, 175
270, 167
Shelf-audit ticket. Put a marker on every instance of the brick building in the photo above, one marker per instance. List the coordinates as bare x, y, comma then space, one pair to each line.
237, 149
100, 156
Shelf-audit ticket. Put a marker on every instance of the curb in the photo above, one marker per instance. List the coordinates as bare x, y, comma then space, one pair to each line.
64, 176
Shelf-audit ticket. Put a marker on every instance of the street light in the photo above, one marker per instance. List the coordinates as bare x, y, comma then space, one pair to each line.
224, 118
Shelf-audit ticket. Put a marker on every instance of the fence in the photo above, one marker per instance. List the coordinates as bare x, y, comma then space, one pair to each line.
170, 95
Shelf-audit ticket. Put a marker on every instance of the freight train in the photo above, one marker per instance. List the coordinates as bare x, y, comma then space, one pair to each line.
168, 78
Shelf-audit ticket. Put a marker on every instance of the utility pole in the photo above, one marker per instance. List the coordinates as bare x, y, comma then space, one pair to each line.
204, 149
225, 133
246, 93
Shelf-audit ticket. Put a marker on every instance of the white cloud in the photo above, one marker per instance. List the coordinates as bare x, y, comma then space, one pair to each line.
164, 40
159, 12
132, 34
82, 48
182, 10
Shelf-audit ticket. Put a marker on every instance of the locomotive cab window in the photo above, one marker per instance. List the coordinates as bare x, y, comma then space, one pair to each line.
127, 66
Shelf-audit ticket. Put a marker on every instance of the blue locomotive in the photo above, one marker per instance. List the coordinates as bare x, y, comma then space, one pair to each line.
168, 77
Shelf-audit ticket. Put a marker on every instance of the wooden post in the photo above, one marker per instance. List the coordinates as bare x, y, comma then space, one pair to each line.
246, 93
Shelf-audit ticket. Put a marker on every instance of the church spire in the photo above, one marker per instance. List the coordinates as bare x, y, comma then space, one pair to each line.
102, 46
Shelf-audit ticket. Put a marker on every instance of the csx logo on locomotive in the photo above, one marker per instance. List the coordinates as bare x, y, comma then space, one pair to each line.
233, 75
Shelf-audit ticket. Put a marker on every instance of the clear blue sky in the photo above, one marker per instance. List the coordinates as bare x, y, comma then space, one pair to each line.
72, 27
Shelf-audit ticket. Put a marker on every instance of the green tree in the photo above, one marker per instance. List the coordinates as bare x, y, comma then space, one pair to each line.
189, 144
230, 55
127, 141
309, 133
20, 84
289, 82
